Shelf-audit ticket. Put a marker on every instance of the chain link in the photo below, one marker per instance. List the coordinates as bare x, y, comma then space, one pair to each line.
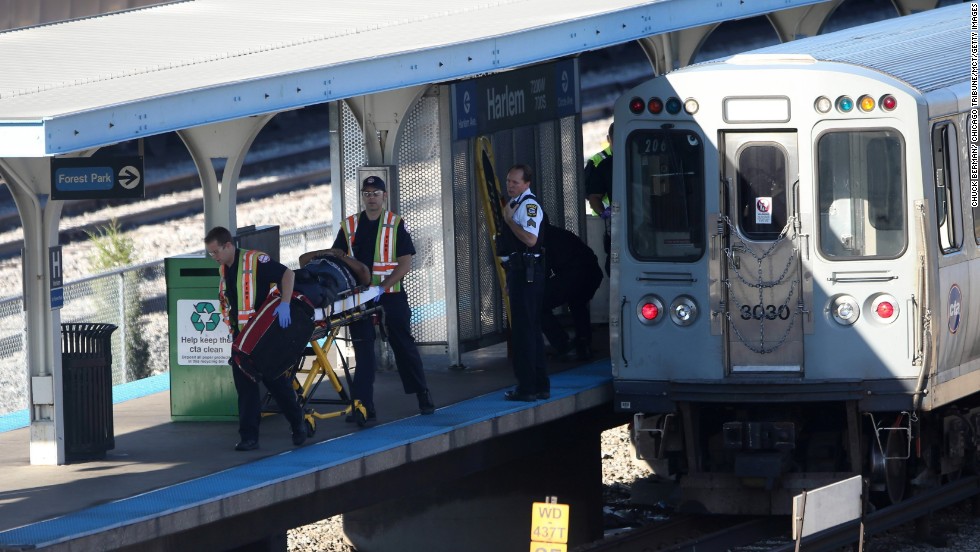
761, 284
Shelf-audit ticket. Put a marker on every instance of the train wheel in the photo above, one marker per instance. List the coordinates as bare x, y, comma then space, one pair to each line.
889, 468
896, 465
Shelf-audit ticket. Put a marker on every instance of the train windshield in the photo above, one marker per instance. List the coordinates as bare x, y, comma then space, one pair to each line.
861, 189
665, 195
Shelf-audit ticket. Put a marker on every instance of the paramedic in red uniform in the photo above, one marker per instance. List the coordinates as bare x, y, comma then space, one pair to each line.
247, 277
378, 238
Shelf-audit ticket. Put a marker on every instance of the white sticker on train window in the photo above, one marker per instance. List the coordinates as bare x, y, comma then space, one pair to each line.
763, 210
756, 110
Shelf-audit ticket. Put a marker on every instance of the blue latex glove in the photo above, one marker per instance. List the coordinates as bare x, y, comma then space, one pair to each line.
282, 311
606, 213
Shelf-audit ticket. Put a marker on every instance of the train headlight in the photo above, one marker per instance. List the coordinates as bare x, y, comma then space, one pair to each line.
885, 308
636, 106
650, 310
845, 104
866, 103
845, 310
673, 106
691, 106
683, 311
888, 102
822, 105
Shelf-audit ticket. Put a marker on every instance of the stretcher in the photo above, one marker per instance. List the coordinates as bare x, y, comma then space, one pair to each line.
351, 306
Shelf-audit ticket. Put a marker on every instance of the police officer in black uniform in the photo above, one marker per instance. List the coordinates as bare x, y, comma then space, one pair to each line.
573, 276
522, 245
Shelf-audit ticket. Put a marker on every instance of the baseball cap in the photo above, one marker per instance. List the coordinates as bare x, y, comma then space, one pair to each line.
374, 182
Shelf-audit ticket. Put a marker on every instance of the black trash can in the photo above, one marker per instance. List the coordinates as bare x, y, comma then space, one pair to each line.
86, 360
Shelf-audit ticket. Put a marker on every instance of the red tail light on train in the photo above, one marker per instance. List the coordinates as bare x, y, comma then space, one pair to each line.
885, 308
650, 310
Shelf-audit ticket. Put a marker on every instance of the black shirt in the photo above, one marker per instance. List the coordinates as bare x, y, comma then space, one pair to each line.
598, 178
366, 237
567, 253
267, 272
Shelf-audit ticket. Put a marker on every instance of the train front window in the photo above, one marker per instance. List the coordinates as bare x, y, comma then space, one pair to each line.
861, 192
665, 195
762, 191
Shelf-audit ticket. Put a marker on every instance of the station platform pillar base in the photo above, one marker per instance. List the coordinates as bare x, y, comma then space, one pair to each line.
490, 511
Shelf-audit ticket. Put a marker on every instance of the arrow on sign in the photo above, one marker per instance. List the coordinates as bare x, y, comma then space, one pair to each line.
129, 177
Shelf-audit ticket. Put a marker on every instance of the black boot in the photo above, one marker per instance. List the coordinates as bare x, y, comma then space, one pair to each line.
426, 406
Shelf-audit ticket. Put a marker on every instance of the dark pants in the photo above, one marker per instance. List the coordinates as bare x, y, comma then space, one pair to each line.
525, 324
398, 323
576, 289
250, 402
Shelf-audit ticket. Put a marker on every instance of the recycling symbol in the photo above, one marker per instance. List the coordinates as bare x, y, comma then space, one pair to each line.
205, 317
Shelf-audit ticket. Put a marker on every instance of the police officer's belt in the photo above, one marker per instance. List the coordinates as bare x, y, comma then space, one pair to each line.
517, 260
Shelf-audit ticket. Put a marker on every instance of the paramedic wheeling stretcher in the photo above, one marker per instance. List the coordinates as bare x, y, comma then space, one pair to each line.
247, 278
378, 238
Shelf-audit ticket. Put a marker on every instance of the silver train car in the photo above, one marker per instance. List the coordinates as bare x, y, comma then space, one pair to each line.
794, 239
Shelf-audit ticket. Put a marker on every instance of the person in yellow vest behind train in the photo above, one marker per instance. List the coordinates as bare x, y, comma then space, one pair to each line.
598, 188
379, 239
247, 278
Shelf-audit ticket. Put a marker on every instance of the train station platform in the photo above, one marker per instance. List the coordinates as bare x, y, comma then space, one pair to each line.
169, 483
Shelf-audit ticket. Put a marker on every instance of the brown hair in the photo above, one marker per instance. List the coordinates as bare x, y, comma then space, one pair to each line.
219, 235
525, 170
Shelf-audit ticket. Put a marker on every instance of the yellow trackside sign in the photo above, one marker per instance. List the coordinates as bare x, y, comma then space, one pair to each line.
549, 527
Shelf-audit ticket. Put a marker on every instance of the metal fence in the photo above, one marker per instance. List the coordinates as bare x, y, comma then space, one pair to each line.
133, 298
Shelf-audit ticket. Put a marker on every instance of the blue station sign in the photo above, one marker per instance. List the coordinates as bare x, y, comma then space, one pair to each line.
515, 98
117, 177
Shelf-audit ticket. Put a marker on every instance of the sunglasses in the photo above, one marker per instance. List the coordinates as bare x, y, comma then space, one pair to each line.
214, 254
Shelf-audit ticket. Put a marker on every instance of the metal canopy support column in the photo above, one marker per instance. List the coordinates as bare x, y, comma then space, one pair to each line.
802, 21
381, 116
907, 7
449, 230
29, 180
230, 141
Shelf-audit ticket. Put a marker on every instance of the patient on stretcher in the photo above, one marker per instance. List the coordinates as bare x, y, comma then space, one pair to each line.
328, 273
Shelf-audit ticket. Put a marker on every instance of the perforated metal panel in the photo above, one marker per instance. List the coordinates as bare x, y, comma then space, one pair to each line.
555, 159
418, 199
572, 194
353, 155
465, 262
548, 185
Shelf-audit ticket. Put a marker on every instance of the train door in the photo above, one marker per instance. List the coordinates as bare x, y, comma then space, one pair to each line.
761, 269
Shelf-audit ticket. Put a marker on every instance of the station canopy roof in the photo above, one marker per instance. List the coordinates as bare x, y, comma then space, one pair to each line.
71, 86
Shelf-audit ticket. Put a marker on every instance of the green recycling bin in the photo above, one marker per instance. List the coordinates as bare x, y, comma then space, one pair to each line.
201, 384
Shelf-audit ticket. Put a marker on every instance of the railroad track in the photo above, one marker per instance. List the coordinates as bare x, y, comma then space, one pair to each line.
693, 533
706, 533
